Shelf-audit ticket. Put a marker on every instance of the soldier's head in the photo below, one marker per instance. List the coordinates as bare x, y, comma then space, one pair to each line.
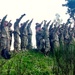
37, 25
0, 20
21, 24
5, 23
17, 19
10, 24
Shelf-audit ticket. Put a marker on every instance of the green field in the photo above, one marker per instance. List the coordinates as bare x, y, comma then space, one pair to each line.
27, 63
32, 62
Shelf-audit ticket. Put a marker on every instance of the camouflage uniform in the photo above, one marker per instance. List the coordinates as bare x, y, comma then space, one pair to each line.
10, 34
66, 38
4, 34
56, 38
8, 37
29, 35
46, 37
17, 33
61, 41
51, 29
39, 36
24, 35
0, 34
71, 46
74, 30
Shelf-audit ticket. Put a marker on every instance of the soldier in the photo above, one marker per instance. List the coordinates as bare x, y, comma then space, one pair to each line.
66, 38
0, 33
8, 35
24, 35
17, 33
71, 46
61, 36
10, 32
51, 29
46, 37
66, 32
29, 31
0, 36
3, 33
55, 39
39, 36
74, 28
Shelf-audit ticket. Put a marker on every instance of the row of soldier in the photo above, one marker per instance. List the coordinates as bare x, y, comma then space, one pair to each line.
47, 38
52, 36
23, 32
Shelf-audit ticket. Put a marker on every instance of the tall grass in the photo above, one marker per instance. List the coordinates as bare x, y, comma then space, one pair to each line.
64, 60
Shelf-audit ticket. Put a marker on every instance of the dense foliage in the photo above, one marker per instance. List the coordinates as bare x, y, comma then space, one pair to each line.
71, 8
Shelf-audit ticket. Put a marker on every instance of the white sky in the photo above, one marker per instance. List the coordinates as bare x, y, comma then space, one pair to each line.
37, 9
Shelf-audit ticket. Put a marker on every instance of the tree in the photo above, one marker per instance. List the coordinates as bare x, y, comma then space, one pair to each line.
58, 19
71, 8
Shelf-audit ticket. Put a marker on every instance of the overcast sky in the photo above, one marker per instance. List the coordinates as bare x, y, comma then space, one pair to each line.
37, 9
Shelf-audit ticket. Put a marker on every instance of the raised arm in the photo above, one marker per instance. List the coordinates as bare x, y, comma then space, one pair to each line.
21, 17
3, 20
68, 21
18, 20
9, 23
48, 23
45, 22
29, 24
51, 25
25, 23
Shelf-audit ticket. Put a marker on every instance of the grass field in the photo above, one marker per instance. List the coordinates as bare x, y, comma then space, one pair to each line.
32, 62
27, 63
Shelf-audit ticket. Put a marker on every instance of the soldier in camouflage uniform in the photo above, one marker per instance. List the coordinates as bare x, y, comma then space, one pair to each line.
24, 35
10, 34
66, 35
74, 28
3, 34
71, 46
0, 36
39, 36
0, 33
55, 38
29, 31
46, 37
51, 29
61, 37
17, 33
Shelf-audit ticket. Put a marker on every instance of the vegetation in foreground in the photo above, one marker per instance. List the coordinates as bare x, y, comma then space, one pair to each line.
35, 63
27, 63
